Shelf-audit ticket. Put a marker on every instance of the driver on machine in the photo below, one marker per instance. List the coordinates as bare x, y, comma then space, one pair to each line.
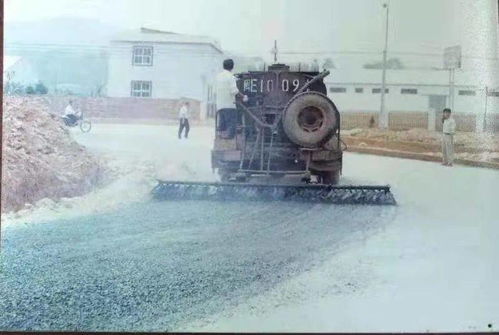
227, 91
71, 116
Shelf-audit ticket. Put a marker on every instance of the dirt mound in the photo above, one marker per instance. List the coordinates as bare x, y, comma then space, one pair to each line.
39, 157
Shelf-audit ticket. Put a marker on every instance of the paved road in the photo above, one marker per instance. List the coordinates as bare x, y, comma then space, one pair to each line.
155, 264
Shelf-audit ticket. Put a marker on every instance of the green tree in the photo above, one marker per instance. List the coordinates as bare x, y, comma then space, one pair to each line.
40, 88
12, 88
391, 64
30, 90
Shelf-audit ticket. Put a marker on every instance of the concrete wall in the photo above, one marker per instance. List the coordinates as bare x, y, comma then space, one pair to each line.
178, 70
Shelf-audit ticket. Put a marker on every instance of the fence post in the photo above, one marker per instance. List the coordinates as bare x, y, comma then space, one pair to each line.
480, 117
486, 106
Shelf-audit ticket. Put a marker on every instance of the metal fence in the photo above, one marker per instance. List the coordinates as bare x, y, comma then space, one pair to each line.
404, 120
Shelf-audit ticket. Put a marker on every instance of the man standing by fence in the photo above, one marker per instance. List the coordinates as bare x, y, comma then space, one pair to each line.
449, 129
183, 116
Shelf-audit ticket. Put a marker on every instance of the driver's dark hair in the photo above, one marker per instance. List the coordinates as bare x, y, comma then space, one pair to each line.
447, 110
228, 64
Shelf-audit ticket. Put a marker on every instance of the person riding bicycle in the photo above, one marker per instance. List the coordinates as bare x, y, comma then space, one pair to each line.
71, 116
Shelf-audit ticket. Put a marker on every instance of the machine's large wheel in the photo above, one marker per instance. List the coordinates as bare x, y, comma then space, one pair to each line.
309, 118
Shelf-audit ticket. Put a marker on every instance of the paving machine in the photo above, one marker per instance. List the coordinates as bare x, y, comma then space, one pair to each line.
287, 146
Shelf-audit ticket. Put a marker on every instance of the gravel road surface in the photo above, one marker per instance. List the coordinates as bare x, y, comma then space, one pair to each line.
115, 260
149, 266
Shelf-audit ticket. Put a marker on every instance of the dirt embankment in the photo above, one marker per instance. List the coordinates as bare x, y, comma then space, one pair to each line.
39, 157
479, 149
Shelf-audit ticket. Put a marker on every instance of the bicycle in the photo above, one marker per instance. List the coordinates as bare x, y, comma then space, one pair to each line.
84, 124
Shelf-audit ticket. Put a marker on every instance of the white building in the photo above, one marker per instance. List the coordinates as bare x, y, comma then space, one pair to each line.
425, 91
18, 70
410, 91
161, 64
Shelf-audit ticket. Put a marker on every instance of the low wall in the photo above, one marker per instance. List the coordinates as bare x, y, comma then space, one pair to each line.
131, 108
124, 108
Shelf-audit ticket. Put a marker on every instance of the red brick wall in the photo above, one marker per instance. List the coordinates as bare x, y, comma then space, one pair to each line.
125, 108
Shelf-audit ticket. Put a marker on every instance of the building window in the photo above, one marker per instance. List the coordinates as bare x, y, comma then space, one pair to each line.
409, 91
467, 92
378, 90
337, 90
142, 56
359, 90
141, 88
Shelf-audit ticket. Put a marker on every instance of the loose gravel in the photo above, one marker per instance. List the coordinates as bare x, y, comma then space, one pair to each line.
153, 265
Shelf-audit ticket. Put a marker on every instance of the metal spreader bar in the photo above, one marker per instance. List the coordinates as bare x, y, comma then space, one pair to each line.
333, 194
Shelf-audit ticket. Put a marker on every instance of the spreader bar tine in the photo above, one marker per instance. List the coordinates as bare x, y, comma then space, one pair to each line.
342, 194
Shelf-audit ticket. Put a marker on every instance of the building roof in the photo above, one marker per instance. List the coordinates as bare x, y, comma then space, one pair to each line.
9, 61
160, 36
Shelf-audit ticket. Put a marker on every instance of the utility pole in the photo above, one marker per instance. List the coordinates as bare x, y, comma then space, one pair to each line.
383, 117
486, 103
452, 74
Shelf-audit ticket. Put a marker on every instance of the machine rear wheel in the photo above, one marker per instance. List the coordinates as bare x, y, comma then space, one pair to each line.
309, 118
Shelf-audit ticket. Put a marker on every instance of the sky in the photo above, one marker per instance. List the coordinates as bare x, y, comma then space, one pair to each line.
251, 26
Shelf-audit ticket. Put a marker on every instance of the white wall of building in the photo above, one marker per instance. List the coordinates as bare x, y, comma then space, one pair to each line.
426, 82
178, 70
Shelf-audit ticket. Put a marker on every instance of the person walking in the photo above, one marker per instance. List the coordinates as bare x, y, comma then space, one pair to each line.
227, 91
448, 131
183, 116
